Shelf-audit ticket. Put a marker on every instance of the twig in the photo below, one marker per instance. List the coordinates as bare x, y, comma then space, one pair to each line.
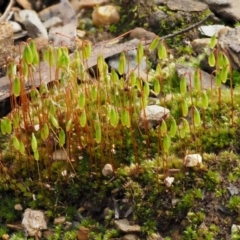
188, 28
4, 17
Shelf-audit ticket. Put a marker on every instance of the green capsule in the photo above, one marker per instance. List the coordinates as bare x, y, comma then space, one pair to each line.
112, 116
87, 50
83, 118
69, 125
197, 80
224, 73
196, 117
184, 107
146, 89
54, 121
8, 125
218, 80
46, 55
36, 155
133, 79
166, 143
25, 69
16, 120
44, 132
34, 144
27, 54
63, 61
100, 63
11, 69
159, 70
16, 86
173, 128
22, 148
16, 143
98, 132
124, 117
35, 54
204, 100
81, 100
162, 51
156, 86
122, 63
163, 128
225, 60
116, 119
183, 85
213, 41
211, 60
182, 133
140, 53
154, 44
94, 93
185, 125
61, 138
221, 60
114, 76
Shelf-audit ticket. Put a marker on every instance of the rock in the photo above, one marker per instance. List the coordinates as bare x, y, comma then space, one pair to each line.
124, 226
107, 170
59, 154
226, 9
155, 236
33, 222
92, 3
156, 18
210, 30
168, 181
142, 34
152, 116
59, 220
160, 2
47, 13
229, 42
189, 72
105, 15
33, 24
16, 26
83, 233
113, 61
186, 6
235, 229
233, 189
192, 160
5, 237
18, 207
6, 42
200, 44
52, 22
25, 4
130, 237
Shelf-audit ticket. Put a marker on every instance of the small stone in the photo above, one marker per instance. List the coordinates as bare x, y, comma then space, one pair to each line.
105, 15
130, 237
5, 237
200, 44
210, 30
155, 236
18, 207
33, 222
152, 116
192, 160
141, 33
124, 226
83, 233
59, 155
59, 220
107, 170
156, 18
52, 22
16, 26
168, 181
235, 229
